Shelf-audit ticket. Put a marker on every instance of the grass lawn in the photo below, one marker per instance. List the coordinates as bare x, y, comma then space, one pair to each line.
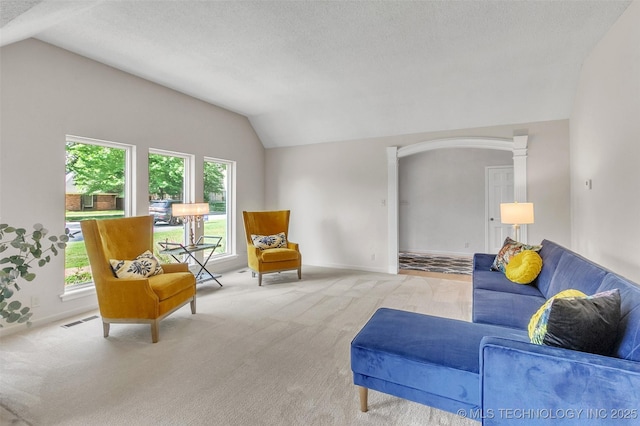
76, 254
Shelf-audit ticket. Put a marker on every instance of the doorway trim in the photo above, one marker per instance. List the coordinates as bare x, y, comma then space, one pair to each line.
517, 145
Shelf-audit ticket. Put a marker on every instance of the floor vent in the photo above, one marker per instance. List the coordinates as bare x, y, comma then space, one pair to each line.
71, 324
242, 272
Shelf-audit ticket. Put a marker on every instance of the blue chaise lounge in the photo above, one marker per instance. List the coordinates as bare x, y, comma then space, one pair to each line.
488, 369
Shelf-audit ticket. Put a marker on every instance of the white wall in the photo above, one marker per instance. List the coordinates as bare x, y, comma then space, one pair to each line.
48, 93
605, 147
337, 192
442, 199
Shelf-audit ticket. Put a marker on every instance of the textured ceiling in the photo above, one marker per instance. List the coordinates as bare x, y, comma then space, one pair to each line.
317, 71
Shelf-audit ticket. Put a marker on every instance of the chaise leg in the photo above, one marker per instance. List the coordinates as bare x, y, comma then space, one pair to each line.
154, 331
105, 329
364, 394
193, 305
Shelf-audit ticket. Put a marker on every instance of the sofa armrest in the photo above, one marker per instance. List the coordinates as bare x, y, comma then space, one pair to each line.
521, 381
169, 268
126, 298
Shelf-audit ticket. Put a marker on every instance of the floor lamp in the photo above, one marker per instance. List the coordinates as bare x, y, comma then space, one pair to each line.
190, 213
516, 214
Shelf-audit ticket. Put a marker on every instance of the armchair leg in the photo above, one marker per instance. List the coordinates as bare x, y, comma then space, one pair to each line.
154, 331
364, 394
105, 329
259, 278
300, 273
193, 305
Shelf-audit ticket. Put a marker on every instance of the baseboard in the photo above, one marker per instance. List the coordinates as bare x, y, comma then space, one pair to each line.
42, 321
347, 267
437, 253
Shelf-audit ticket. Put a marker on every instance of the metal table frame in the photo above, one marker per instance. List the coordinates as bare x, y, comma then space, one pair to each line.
179, 249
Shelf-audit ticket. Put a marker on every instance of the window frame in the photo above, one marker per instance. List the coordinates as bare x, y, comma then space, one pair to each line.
80, 290
230, 203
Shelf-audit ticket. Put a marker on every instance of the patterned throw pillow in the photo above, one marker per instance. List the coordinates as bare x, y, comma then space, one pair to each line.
524, 267
538, 325
509, 249
264, 242
587, 324
144, 266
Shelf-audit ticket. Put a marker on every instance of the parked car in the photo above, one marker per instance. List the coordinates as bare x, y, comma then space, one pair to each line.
161, 212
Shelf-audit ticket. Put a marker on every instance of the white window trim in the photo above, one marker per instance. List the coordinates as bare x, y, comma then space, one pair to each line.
87, 289
231, 216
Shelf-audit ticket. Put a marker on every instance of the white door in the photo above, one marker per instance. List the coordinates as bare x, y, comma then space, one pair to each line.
499, 184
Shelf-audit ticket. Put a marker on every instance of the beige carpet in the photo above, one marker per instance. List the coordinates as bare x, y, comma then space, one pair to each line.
271, 355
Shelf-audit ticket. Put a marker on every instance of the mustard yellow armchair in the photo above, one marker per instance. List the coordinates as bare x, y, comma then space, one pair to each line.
271, 253
133, 300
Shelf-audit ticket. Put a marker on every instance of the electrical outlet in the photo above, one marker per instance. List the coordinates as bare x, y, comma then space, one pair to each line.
466, 245
373, 256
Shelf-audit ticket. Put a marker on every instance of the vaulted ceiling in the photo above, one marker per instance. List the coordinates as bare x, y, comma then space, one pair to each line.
317, 71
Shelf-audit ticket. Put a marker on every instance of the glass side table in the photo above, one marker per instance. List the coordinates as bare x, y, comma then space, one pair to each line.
178, 249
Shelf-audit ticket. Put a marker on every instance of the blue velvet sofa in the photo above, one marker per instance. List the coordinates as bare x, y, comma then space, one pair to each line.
488, 370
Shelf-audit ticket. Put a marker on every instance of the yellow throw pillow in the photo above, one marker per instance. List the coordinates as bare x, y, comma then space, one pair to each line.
534, 330
524, 267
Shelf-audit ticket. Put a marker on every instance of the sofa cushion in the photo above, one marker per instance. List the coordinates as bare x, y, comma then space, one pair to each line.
168, 285
497, 281
574, 271
506, 309
509, 249
279, 255
524, 267
550, 254
587, 324
432, 354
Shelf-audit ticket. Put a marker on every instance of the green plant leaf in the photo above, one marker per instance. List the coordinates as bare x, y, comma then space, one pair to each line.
14, 305
24, 310
29, 277
42, 262
13, 317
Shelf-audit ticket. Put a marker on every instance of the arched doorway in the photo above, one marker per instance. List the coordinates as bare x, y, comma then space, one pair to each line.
517, 145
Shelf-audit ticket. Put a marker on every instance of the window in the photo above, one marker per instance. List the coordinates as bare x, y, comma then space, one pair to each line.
218, 192
98, 186
167, 186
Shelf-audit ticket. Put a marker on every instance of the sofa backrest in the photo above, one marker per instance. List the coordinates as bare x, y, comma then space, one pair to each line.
574, 271
628, 341
563, 269
550, 253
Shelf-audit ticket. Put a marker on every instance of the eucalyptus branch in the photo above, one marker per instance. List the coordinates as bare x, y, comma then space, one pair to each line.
20, 264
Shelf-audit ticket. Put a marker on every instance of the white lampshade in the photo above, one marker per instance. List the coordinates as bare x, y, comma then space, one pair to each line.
190, 209
516, 213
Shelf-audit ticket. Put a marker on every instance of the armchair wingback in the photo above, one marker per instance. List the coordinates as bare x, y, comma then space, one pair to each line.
264, 261
133, 300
